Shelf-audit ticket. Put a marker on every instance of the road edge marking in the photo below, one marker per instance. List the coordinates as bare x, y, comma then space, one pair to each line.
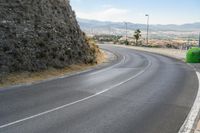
78, 101
188, 125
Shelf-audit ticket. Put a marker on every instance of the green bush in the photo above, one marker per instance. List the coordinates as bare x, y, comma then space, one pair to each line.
193, 55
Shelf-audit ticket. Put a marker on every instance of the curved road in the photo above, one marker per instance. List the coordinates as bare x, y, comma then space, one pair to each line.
138, 92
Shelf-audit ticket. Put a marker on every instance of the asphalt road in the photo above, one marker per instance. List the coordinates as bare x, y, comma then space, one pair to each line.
139, 92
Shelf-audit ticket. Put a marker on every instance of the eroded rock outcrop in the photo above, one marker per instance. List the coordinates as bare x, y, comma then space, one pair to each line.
37, 34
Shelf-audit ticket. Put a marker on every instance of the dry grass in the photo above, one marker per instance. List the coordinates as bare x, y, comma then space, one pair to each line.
32, 77
198, 127
174, 42
100, 55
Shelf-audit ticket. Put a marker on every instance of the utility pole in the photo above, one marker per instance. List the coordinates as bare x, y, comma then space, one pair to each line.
147, 37
199, 39
188, 43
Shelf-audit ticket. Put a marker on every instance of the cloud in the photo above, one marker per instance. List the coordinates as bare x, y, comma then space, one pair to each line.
109, 14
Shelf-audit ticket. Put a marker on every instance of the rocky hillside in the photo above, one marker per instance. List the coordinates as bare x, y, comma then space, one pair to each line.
37, 34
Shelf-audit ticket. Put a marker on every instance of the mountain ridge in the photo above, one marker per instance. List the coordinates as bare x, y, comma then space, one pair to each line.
86, 23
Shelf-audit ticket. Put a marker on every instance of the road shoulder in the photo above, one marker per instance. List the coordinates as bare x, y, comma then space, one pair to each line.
54, 74
174, 53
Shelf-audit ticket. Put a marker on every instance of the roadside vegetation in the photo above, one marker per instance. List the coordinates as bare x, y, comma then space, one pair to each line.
137, 36
31, 77
27, 77
99, 54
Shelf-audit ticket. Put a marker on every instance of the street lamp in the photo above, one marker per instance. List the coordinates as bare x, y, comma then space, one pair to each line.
126, 30
147, 37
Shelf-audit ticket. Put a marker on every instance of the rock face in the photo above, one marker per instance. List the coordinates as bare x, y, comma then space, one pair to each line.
37, 34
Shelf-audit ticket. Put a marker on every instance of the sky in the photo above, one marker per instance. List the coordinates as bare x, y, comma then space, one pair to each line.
160, 11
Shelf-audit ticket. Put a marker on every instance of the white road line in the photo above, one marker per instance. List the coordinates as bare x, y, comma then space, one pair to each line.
188, 126
108, 68
78, 101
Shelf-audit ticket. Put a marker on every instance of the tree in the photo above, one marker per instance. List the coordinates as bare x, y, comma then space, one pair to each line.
137, 35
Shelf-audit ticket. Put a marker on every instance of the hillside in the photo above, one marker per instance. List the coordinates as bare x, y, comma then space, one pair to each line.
38, 34
84, 23
157, 31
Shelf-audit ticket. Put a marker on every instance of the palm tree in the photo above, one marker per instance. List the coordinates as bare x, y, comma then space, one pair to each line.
137, 35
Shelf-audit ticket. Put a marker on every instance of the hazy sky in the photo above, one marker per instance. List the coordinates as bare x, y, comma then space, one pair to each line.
160, 11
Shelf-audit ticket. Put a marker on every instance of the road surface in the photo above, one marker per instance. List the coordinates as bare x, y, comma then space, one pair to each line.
138, 92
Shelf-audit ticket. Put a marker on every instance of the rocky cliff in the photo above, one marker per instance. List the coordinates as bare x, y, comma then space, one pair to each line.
37, 34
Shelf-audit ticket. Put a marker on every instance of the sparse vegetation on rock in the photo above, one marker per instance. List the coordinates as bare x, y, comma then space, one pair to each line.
37, 34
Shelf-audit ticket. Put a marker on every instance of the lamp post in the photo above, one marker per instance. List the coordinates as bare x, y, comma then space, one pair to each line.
147, 37
126, 29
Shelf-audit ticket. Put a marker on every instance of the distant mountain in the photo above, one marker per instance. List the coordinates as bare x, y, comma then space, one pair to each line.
106, 27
